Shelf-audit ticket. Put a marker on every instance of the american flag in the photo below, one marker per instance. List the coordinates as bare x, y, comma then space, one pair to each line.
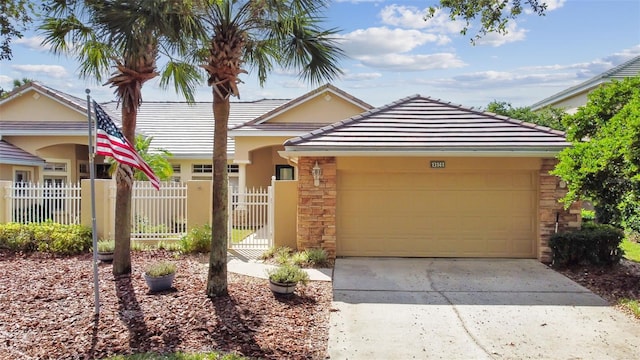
111, 142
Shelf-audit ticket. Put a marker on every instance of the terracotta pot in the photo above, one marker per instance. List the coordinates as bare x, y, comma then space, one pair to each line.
282, 288
160, 283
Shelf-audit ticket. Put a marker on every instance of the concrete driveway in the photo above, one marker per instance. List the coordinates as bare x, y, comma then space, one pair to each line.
390, 308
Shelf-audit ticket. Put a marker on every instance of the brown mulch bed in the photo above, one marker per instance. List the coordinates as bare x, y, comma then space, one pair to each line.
47, 312
612, 283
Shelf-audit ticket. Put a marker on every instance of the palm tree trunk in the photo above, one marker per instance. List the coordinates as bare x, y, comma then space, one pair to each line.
217, 278
124, 184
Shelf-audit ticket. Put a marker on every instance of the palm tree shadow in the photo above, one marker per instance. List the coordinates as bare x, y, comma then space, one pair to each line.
236, 328
130, 312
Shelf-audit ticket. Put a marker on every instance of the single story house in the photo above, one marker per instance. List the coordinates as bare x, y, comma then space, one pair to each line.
423, 177
572, 98
417, 177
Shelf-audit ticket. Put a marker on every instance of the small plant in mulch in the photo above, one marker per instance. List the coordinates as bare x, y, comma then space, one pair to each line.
106, 246
161, 268
309, 258
288, 274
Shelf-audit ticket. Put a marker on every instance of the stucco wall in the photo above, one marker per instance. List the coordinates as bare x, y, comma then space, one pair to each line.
31, 106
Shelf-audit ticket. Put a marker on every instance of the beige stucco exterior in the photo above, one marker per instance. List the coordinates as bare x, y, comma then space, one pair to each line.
322, 108
31, 106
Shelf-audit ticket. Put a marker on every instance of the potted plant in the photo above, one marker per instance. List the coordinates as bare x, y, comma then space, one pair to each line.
159, 276
105, 250
283, 279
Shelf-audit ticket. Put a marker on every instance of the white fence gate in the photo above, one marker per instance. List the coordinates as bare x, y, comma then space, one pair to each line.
251, 218
35, 203
158, 215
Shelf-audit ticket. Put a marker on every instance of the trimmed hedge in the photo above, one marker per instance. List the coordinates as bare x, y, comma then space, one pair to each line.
46, 237
596, 244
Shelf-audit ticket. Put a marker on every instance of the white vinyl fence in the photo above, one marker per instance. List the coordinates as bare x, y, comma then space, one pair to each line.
158, 215
155, 215
251, 218
35, 203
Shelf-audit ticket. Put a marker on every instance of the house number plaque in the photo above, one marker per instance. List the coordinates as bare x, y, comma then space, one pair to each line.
437, 164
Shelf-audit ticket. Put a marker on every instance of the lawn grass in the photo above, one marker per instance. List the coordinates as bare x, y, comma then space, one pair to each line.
179, 356
633, 305
238, 235
631, 250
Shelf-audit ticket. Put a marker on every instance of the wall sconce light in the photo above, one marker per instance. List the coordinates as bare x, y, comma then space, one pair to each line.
316, 172
562, 184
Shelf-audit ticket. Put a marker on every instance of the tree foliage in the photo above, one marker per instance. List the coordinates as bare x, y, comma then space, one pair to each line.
15, 16
494, 14
549, 117
126, 37
603, 164
256, 35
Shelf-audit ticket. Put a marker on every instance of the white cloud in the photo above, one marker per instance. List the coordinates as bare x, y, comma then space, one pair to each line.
5, 80
413, 17
402, 63
32, 71
495, 39
34, 43
551, 5
382, 40
348, 76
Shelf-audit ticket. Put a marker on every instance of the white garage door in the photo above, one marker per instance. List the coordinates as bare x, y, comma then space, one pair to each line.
436, 215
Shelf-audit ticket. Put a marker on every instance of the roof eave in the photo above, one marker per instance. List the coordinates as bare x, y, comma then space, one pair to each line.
264, 133
39, 163
295, 152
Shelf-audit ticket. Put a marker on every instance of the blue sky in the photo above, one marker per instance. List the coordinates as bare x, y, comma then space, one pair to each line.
393, 53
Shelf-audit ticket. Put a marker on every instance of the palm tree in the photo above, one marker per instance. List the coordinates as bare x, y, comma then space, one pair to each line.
127, 36
260, 34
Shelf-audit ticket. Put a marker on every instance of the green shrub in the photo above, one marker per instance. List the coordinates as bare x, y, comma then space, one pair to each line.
268, 254
299, 258
287, 274
161, 268
283, 255
197, 240
17, 237
317, 257
47, 237
595, 244
587, 215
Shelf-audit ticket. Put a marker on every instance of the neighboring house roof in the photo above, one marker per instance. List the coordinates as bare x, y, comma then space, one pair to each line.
64, 98
627, 69
420, 124
186, 130
261, 123
10, 154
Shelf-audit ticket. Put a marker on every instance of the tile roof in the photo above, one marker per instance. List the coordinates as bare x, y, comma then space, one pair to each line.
627, 69
10, 154
187, 129
44, 128
420, 123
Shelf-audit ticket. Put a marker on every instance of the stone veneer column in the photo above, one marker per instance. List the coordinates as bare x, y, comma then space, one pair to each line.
317, 205
549, 206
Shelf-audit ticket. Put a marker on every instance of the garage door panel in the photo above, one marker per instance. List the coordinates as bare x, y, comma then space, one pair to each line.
450, 215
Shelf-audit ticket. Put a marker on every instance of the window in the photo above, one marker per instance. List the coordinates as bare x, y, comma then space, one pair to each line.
55, 167
202, 169
233, 168
284, 172
23, 176
176, 168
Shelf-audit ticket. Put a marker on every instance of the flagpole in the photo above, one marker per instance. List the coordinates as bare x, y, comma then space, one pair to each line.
94, 232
